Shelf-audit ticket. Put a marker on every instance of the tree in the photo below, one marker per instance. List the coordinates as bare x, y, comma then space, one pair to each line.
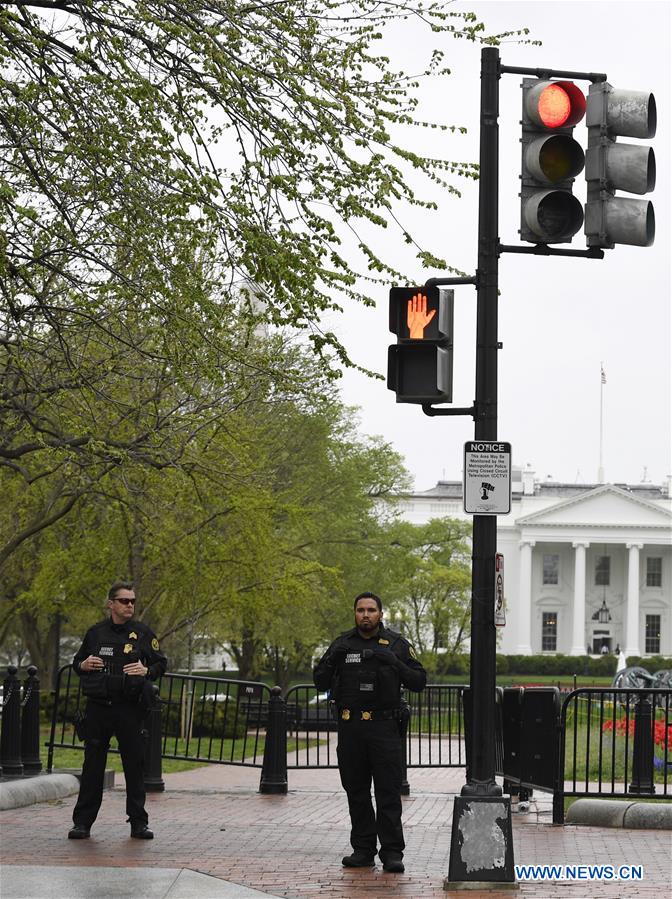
431, 582
141, 136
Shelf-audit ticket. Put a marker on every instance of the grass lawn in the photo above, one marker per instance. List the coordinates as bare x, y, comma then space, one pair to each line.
229, 749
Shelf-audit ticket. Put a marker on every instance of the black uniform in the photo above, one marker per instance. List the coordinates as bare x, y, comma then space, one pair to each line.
365, 677
116, 705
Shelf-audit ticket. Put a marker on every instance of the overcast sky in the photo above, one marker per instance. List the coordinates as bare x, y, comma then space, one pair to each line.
559, 318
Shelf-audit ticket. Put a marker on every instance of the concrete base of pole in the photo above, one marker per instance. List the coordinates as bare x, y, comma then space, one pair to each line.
481, 846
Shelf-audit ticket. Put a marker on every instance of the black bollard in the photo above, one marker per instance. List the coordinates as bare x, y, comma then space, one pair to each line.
642, 751
154, 782
10, 737
30, 724
274, 767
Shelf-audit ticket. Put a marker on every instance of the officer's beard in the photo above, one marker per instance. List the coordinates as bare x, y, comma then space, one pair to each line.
367, 628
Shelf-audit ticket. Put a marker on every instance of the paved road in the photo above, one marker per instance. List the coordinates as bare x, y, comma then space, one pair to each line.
213, 821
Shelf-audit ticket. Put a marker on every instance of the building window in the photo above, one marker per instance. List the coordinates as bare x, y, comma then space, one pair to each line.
654, 571
652, 639
602, 570
551, 567
549, 631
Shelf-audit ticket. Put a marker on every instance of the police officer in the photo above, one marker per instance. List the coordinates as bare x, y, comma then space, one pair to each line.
116, 662
365, 669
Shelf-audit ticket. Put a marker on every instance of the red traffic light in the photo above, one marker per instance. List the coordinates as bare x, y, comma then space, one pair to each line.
556, 104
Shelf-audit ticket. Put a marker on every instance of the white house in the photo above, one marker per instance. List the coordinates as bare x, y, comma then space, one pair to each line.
586, 566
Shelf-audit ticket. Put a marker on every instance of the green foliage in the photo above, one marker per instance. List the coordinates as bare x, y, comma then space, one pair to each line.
210, 719
427, 576
183, 191
601, 666
650, 663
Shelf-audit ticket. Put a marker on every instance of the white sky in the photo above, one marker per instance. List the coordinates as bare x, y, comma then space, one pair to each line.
559, 318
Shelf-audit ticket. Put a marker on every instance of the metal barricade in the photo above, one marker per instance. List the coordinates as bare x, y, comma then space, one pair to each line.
203, 719
434, 733
614, 743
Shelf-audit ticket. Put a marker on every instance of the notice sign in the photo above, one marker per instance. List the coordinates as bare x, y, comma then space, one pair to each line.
487, 477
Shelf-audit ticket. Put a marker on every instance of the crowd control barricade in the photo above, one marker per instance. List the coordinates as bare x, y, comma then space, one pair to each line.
432, 727
614, 743
202, 719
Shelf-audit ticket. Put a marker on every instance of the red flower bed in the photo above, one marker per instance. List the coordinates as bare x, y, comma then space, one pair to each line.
659, 728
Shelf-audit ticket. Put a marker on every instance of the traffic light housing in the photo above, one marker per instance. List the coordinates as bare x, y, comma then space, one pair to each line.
420, 364
551, 158
611, 166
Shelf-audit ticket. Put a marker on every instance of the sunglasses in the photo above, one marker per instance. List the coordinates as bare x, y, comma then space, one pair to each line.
125, 601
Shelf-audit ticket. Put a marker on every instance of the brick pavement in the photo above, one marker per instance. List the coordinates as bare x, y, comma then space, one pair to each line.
213, 820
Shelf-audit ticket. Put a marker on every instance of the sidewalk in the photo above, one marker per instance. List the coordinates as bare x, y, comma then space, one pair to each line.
213, 821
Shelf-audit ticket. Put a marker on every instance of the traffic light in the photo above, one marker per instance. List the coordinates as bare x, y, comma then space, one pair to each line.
420, 364
551, 158
611, 166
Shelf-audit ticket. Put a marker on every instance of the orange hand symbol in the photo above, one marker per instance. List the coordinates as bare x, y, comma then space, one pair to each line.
417, 318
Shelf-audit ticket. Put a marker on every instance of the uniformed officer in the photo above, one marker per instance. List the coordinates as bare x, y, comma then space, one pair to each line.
365, 669
116, 662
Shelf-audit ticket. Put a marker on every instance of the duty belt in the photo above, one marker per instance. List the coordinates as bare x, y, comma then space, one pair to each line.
374, 715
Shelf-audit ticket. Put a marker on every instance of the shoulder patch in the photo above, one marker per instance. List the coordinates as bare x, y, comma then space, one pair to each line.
411, 652
155, 643
384, 642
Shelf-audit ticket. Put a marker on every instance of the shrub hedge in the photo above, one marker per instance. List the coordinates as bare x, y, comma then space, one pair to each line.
600, 666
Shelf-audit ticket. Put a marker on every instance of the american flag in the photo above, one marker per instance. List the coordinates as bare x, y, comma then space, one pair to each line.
603, 377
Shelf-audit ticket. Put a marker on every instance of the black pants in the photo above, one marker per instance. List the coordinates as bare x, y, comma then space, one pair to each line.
371, 750
124, 721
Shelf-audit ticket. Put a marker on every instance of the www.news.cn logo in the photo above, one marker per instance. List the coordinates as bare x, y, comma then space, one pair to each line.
579, 872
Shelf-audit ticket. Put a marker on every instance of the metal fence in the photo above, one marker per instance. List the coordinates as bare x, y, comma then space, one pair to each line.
204, 719
597, 742
434, 734
614, 743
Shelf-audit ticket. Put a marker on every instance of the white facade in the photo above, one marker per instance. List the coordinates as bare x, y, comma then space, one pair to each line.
570, 550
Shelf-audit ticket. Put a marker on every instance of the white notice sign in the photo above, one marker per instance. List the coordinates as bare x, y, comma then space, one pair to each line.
487, 477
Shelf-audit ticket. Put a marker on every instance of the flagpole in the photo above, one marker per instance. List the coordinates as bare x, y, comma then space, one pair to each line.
603, 381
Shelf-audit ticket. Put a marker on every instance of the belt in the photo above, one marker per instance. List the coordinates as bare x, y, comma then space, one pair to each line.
375, 715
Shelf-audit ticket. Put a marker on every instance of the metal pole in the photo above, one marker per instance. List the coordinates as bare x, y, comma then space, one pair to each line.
274, 766
481, 797
482, 768
30, 724
153, 775
10, 733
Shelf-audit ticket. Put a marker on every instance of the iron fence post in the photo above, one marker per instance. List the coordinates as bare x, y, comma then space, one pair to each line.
10, 736
274, 767
642, 752
30, 724
153, 777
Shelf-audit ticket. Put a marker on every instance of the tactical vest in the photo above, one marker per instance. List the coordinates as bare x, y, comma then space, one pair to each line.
366, 683
116, 650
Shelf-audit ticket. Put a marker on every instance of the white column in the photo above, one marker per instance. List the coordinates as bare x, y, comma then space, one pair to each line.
632, 611
524, 646
579, 608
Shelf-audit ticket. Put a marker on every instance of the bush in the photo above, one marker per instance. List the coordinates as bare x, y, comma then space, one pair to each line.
650, 664
453, 663
502, 664
602, 666
221, 721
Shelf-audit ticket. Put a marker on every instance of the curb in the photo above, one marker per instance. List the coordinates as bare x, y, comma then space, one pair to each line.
43, 787
612, 813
